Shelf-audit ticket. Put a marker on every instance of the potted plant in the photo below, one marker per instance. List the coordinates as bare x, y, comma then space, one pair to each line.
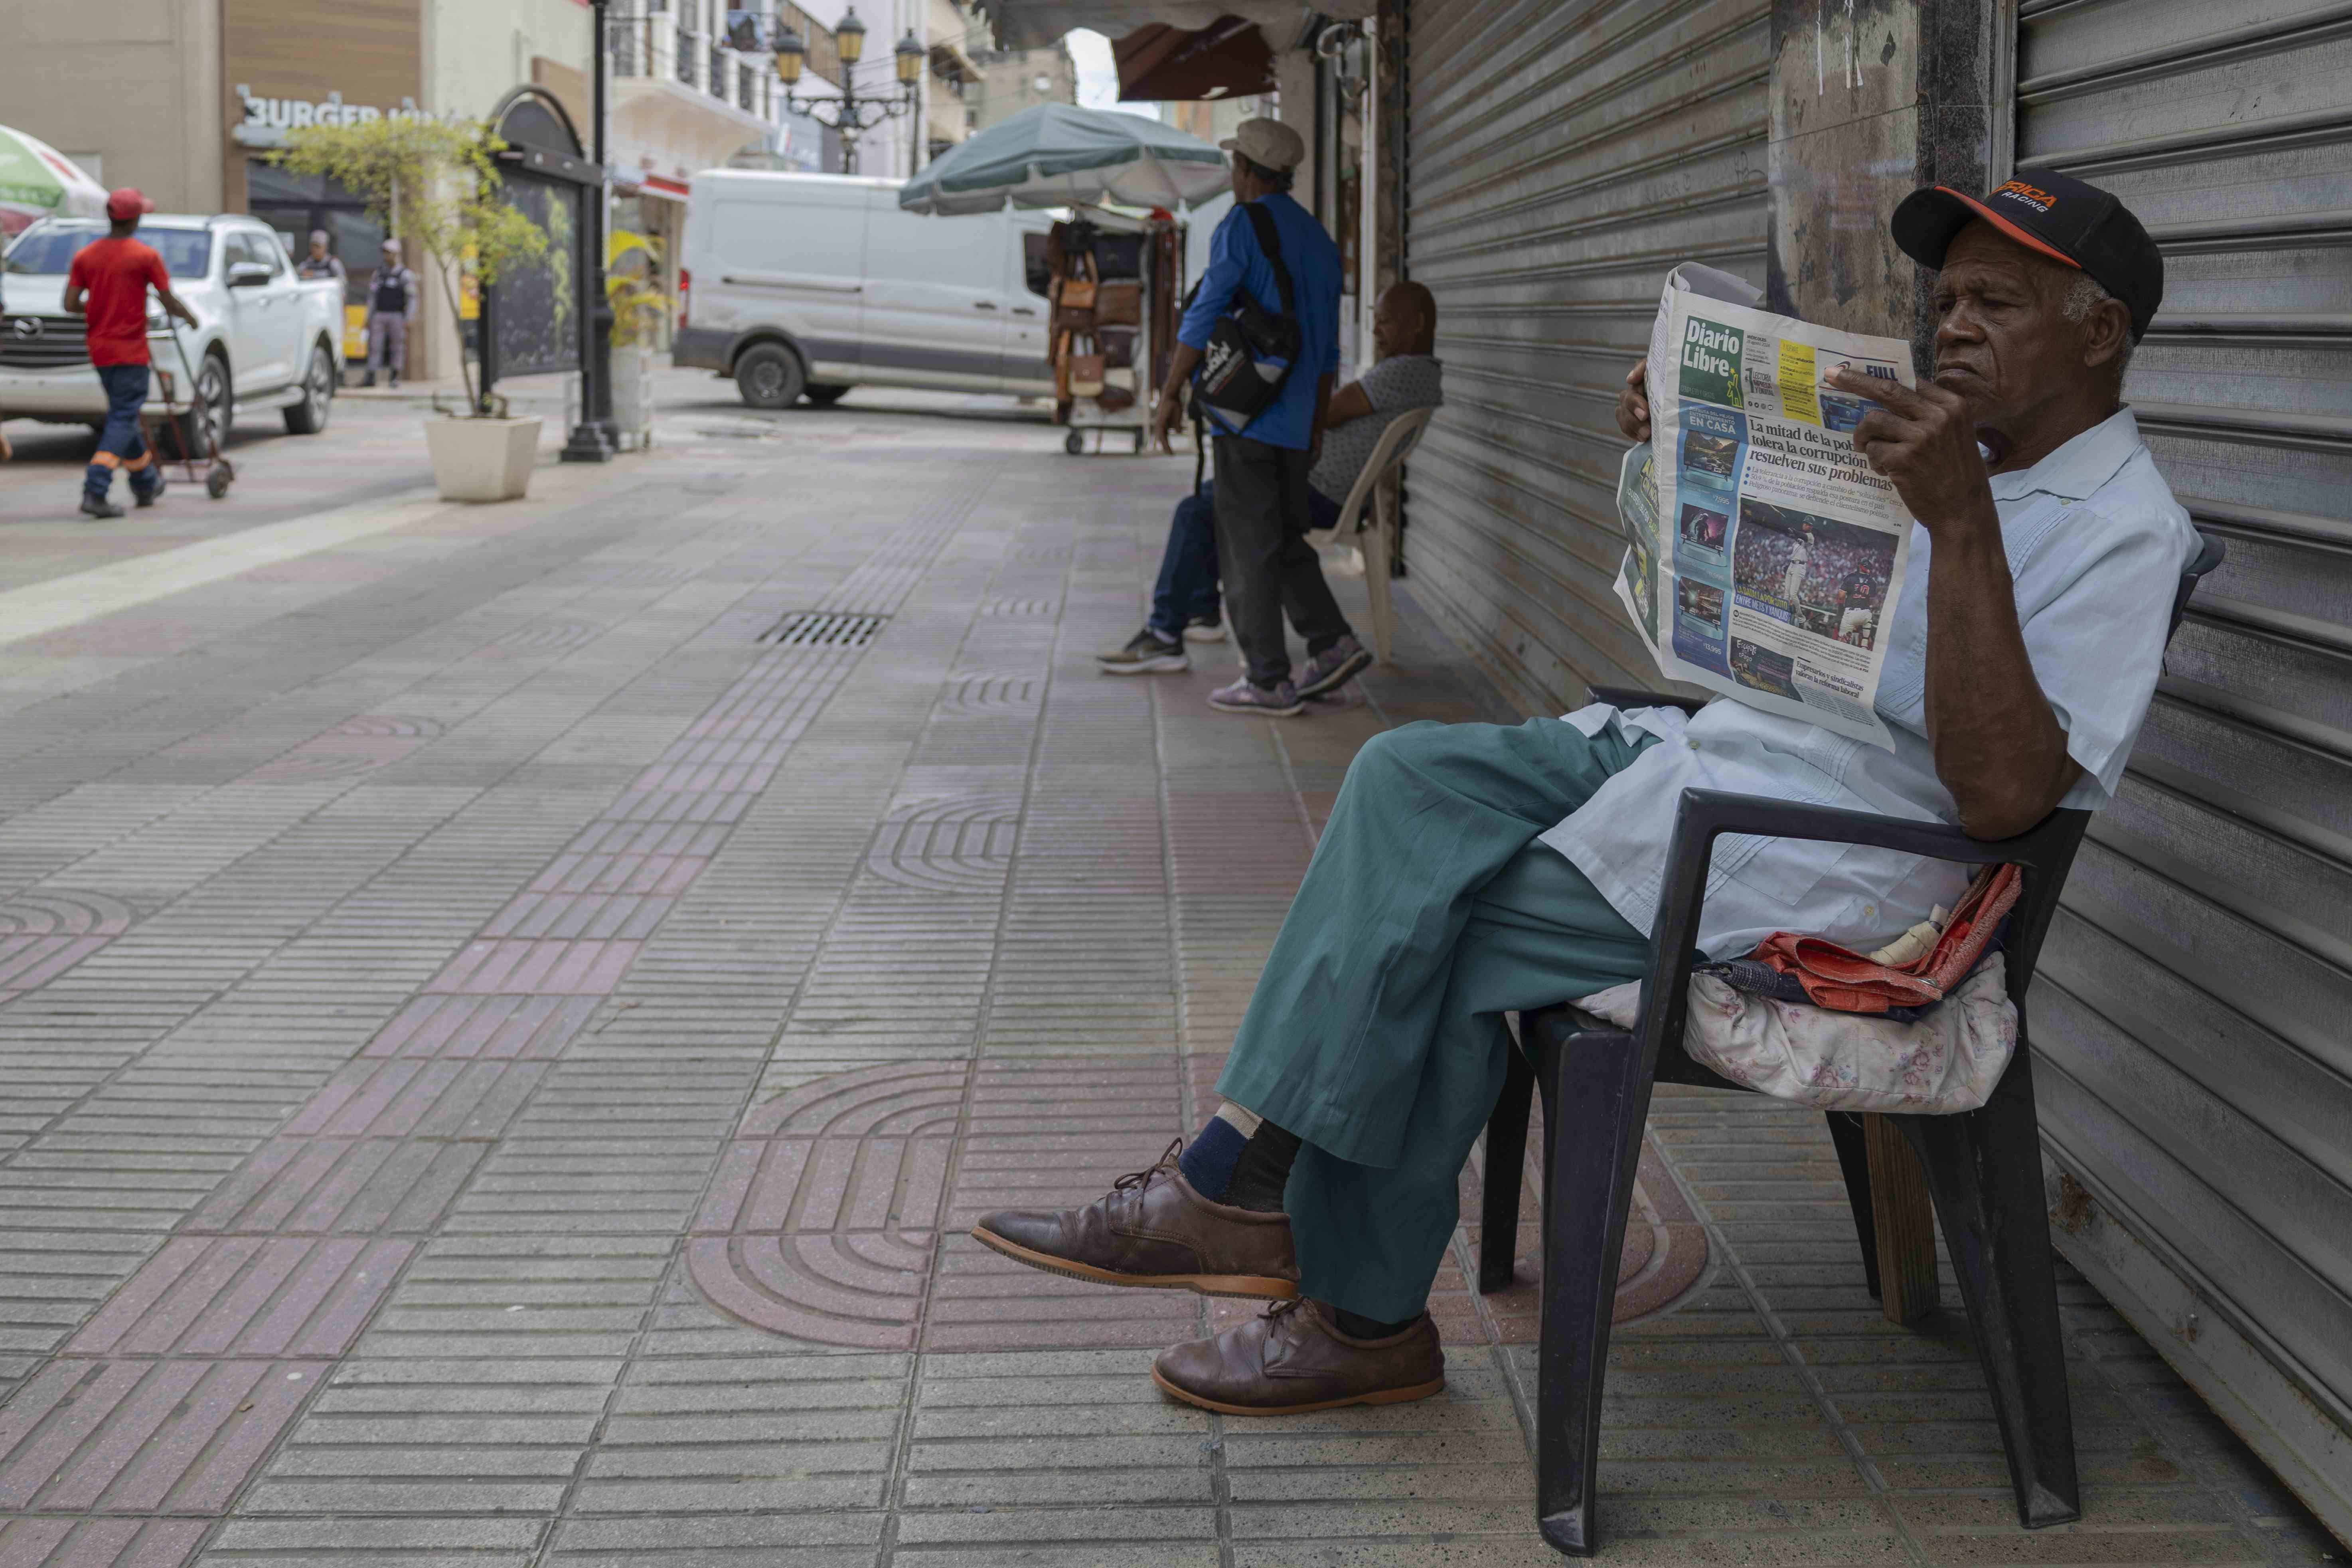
439, 180
639, 310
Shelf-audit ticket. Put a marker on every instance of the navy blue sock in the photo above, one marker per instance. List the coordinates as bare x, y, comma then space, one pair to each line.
1208, 1160
1361, 1328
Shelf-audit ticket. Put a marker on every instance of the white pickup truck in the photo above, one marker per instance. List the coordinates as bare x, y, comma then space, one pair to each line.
265, 338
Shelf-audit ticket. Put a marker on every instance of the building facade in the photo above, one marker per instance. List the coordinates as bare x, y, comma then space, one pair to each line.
163, 74
683, 98
951, 78
1014, 79
185, 98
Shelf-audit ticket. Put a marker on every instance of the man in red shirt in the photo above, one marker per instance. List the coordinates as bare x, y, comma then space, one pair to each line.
109, 283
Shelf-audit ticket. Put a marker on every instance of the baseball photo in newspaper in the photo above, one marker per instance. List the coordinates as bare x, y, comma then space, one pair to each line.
1761, 552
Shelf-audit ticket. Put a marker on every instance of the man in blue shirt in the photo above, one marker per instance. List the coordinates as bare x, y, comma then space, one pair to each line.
1263, 512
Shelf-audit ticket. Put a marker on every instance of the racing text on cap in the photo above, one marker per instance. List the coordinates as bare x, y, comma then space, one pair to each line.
2034, 196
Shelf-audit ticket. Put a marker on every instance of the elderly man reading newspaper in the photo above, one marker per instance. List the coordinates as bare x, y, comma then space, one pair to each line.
1469, 871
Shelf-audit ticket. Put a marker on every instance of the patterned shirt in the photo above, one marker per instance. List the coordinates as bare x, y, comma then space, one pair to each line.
1396, 385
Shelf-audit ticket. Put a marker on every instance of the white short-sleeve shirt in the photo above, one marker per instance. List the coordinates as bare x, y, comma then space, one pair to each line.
2095, 545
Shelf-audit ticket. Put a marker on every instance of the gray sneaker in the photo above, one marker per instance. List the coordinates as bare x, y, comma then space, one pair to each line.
1146, 653
1334, 668
1204, 629
1266, 701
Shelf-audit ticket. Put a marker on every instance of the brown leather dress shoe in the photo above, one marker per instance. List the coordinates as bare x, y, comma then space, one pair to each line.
1152, 1229
1290, 1360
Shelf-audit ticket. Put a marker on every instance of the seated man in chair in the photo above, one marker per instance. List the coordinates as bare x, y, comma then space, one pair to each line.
1406, 377
1472, 870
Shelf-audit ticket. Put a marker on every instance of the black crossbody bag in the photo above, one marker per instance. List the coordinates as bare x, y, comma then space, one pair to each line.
1251, 351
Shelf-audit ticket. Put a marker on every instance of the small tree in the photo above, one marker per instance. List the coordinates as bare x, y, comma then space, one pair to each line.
639, 308
439, 180
633, 290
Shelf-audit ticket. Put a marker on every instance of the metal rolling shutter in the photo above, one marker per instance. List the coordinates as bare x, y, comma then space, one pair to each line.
2193, 1006
1560, 159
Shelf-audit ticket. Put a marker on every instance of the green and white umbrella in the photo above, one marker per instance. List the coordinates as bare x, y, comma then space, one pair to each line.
37, 181
1058, 155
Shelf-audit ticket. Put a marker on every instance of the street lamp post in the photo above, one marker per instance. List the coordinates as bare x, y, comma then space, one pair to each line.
591, 439
849, 114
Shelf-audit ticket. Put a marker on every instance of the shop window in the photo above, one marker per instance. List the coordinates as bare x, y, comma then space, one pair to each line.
294, 205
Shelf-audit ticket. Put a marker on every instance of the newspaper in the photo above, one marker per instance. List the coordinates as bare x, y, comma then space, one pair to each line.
1763, 555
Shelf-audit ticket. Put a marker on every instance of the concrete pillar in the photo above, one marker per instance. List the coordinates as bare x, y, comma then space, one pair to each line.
1869, 99
1386, 60
1295, 106
208, 104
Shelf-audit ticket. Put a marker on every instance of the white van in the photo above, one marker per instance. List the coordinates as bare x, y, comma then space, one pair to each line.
807, 285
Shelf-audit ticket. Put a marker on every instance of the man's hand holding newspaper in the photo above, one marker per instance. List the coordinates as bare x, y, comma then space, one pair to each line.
1925, 440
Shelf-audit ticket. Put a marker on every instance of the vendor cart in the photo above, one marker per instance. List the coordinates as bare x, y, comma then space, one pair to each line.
1116, 283
1116, 280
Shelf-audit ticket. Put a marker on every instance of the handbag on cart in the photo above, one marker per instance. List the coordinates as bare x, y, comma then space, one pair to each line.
1118, 345
1079, 289
1119, 255
1118, 304
1072, 295
1086, 375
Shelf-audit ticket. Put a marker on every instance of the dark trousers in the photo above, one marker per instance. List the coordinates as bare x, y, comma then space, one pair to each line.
1265, 508
120, 445
1187, 590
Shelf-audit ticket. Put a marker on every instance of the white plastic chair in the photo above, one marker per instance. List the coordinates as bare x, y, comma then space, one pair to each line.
1376, 521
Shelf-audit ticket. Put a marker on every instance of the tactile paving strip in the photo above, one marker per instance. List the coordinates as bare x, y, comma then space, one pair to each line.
44, 932
296, 1250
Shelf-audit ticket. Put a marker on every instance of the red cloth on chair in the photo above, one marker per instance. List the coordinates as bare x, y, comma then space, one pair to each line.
1840, 978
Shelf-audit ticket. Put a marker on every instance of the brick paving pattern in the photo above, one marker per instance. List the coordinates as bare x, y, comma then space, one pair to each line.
502, 1042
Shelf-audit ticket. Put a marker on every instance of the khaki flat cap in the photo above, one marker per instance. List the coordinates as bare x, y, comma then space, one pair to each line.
1268, 143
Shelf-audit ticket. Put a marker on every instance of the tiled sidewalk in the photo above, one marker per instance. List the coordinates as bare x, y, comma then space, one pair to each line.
498, 1060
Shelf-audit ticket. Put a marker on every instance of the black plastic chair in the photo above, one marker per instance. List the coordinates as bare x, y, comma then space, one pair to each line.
1983, 1167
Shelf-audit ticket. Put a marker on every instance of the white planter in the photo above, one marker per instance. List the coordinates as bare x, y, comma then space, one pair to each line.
482, 460
633, 393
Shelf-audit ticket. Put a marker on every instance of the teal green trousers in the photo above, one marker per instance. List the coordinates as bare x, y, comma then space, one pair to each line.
1376, 1033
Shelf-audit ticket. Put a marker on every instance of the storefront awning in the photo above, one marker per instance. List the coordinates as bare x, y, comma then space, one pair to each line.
1228, 59
1035, 23
948, 58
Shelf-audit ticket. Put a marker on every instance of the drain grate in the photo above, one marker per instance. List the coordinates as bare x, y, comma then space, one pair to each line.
823, 628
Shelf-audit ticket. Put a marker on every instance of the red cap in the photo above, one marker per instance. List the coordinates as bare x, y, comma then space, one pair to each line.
127, 203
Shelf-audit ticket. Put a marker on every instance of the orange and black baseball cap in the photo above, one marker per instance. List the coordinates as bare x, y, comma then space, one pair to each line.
2080, 226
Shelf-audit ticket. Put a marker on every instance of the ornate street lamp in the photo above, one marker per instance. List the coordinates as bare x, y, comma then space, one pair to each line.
849, 114
792, 55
